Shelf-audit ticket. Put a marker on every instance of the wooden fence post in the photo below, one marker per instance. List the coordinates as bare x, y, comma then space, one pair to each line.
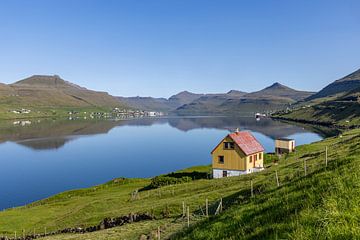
277, 178
188, 216
207, 207
326, 156
183, 205
305, 167
158, 233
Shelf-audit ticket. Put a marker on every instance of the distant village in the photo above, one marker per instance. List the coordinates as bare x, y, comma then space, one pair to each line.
115, 113
119, 114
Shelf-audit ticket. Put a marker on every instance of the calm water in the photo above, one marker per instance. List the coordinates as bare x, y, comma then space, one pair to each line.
42, 158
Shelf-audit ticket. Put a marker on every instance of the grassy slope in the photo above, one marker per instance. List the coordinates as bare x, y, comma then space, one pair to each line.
339, 110
51, 96
332, 112
324, 204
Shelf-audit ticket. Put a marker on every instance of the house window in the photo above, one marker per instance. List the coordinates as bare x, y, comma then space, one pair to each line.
255, 156
224, 173
250, 158
221, 159
228, 145
260, 156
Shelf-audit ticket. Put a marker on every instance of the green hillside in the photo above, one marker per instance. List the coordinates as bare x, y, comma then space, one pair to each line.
44, 95
321, 204
343, 111
339, 87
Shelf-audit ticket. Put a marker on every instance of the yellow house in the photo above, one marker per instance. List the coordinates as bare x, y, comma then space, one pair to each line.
284, 145
238, 153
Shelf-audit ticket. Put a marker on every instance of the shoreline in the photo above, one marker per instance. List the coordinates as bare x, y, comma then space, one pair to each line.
317, 123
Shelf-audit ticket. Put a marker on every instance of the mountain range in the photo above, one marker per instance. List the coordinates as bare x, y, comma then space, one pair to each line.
42, 91
160, 104
271, 98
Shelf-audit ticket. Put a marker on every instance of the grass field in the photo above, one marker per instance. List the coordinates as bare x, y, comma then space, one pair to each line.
324, 204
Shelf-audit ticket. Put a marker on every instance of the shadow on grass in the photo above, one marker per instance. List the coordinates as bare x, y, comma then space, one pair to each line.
175, 178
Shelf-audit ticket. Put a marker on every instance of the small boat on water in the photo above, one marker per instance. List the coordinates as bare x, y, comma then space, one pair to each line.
259, 115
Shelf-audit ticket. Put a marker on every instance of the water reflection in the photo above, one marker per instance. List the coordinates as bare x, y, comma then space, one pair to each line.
53, 134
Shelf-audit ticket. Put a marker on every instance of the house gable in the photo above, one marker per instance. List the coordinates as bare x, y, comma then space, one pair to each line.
233, 158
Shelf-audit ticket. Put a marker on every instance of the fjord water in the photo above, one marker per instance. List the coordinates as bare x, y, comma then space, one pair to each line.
42, 158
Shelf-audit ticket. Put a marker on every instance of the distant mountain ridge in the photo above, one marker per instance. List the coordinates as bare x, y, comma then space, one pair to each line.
161, 104
147, 103
273, 97
340, 86
46, 81
183, 97
281, 91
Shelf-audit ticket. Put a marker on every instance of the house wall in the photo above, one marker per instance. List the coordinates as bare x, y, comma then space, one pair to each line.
259, 163
284, 145
234, 159
218, 173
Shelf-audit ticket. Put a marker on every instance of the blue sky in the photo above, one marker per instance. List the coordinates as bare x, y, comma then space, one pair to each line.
161, 47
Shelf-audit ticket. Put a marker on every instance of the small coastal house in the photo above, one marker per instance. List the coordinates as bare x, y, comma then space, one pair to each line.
284, 145
238, 153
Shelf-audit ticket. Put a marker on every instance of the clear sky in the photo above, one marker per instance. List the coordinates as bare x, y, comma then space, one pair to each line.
161, 47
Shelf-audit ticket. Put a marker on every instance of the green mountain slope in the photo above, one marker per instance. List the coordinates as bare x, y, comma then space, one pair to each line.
51, 93
337, 104
339, 87
342, 112
52, 90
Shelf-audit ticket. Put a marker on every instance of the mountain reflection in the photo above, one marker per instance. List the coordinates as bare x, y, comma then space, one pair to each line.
53, 134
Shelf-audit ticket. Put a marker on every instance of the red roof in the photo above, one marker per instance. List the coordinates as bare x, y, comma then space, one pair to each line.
246, 142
